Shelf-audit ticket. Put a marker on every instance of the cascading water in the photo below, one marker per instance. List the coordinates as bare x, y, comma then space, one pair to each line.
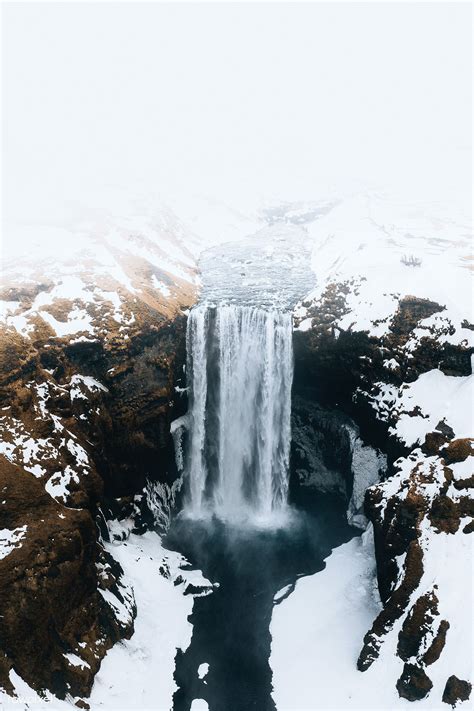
236, 465
240, 369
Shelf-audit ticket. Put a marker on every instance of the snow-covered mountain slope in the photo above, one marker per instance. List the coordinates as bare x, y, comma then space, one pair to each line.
381, 250
163, 591
389, 331
92, 336
91, 368
97, 282
92, 325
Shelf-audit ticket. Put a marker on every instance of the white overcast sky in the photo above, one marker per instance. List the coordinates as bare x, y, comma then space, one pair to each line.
271, 99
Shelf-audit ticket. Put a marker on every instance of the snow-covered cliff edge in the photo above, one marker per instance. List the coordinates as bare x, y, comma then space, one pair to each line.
387, 335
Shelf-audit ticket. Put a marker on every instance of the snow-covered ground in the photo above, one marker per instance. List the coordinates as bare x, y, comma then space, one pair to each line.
86, 278
384, 250
317, 632
136, 673
161, 628
369, 238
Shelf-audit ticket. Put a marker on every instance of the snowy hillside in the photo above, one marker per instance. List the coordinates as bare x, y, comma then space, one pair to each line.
395, 288
93, 327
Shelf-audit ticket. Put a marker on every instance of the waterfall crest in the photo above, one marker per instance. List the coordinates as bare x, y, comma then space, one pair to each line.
240, 370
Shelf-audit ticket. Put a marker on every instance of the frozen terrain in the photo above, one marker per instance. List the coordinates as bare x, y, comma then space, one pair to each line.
379, 250
137, 673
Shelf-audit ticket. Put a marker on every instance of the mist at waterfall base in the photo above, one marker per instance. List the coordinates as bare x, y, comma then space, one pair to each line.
237, 524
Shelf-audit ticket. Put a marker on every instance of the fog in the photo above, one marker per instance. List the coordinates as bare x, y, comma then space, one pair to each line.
246, 102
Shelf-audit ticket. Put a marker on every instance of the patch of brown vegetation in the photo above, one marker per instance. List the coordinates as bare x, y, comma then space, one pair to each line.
444, 514
411, 310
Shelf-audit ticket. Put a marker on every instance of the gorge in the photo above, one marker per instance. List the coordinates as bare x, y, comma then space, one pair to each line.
236, 356
237, 524
258, 429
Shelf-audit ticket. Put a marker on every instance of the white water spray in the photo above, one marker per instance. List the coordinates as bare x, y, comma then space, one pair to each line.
240, 370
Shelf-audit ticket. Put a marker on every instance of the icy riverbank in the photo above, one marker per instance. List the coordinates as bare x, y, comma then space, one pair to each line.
136, 673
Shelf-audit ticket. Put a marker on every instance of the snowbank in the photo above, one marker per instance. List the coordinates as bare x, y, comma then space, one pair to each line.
136, 673
317, 630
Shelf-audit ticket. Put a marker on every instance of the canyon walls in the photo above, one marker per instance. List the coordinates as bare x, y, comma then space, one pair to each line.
89, 368
408, 391
92, 377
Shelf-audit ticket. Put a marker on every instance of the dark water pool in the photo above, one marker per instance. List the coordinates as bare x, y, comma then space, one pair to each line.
231, 626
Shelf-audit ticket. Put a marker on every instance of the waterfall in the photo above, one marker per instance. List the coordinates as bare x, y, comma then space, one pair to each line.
240, 370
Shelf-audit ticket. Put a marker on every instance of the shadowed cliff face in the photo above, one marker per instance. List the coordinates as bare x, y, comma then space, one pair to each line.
133, 433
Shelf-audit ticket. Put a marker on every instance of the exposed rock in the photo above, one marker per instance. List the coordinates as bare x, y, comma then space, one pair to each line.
444, 514
321, 448
416, 625
433, 443
49, 591
469, 528
394, 608
88, 369
458, 451
394, 532
433, 652
367, 373
456, 690
413, 684
328, 456
417, 629
411, 310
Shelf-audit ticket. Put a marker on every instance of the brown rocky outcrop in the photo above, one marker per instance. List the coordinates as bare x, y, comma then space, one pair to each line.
49, 587
413, 684
85, 422
458, 450
456, 690
352, 369
395, 606
417, 627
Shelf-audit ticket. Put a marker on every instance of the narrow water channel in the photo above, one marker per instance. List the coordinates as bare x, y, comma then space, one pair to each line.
237, 524
255, 568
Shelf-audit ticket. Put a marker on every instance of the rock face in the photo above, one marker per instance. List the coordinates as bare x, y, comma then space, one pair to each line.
413, 683
56, 625
456, 690
92, 350
328, 456
88, 369
386, 377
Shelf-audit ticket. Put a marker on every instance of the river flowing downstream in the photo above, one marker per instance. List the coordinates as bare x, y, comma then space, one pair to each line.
237, 524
